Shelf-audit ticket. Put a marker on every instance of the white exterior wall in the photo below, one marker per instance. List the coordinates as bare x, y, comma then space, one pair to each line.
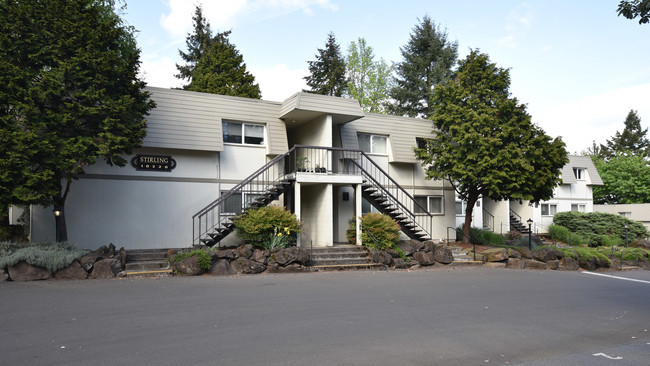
239, 161
135, 209
317, 213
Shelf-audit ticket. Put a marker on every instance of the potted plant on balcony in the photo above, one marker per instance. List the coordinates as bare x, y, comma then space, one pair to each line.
301, 163
320, 170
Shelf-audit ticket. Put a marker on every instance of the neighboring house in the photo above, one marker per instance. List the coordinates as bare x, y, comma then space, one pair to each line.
574, 194
634, 211
207, 157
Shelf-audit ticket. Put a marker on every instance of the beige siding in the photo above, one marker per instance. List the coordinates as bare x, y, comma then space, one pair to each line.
321, 104
191, 120
580, 162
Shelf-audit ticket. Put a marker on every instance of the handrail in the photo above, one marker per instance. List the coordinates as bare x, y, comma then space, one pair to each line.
311, 243
376, 253
490, 219
513, 213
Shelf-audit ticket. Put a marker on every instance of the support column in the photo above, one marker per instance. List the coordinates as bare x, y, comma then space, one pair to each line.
359, 211
297, 204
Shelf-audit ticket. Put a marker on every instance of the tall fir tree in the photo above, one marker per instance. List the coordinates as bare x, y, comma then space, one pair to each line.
69, 95
327, 73
632, 141
213, 64
428, 60
485, 143
369, 81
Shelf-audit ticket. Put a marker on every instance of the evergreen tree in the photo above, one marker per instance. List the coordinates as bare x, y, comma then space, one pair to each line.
485, 143
428, 60
69, 94
214, 65
327, 73
368, 80
632, 141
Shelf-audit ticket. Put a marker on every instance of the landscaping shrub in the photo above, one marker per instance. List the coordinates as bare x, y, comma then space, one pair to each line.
513, 235
605, 240
481, 236
384, 230
631, 254
266, 227
588, 225
48, 255
558, 233
204, 260
582, 254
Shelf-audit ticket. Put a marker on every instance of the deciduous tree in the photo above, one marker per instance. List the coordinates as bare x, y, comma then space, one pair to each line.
428, 60
327, 72
369, 81
626, 179
485, 143
69, 94
635, 8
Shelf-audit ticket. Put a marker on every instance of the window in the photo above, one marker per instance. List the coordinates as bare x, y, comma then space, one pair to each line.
578, 207
373, 144
421, 142
625, 214
243, 133
579, 173
461, 208
549, 209
433, 204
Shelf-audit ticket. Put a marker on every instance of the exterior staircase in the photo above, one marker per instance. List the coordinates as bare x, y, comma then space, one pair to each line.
212, 223
462, 257
342, 257
516, 223
147, 263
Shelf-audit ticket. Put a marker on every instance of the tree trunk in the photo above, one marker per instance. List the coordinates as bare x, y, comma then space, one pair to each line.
60, 223
471, 201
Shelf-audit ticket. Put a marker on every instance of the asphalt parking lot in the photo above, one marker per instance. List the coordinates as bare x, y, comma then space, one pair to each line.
426, 317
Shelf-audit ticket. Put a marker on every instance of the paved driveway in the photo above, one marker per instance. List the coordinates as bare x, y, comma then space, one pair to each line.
435, 317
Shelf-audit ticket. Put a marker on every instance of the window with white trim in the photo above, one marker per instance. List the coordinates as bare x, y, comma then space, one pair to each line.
373, 144
625, 214
549, 209
579, 207
461, 208
234, 203
579, 173
433, 204
243, 133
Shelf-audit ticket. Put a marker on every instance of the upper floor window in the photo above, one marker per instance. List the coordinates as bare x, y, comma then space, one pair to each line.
433, 204
421, 142
579, 173
625, 214
243, 133
373, 144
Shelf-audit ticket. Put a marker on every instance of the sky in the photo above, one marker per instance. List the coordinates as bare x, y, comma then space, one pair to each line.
577, 65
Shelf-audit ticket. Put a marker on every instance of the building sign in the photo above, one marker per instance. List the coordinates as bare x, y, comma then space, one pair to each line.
155, 163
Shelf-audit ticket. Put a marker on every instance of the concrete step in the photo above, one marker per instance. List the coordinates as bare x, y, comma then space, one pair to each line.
340, 261
146, 266
465, 263
329, 255
350, 267
158, 273
142, 255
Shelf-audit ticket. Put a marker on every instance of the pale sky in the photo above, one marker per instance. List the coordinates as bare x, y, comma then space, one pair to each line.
578, 66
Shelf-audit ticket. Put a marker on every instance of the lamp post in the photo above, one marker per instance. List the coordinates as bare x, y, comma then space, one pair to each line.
530, 240
627, 226
57, 214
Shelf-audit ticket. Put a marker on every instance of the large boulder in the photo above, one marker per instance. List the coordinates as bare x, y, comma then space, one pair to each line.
568, 264
424, 258
381, 256
23, 271
547, 254
73, 272
245, 251
553, 264
110, 251
222, 267
104, 269
410, 246
286, 256
88, 261
514, 263
245, 265
513, 253
189, 266
525, 253
442, 254
590, 264
122, 257
494, 264
495, 255
292, 268
401, 263
3, 275
534, 264
260, 256
226, 254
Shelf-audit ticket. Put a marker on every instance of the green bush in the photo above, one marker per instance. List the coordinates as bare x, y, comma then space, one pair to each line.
582, 254
588, 225
204, 260
48, 255
605, 240
481, 237
558, 233
266, 226
382, 228
631, 254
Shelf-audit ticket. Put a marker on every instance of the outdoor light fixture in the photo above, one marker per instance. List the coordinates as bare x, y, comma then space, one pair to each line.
530, 239
57, 213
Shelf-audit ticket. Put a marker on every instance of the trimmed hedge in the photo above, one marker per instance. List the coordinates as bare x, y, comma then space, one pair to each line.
592, 225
